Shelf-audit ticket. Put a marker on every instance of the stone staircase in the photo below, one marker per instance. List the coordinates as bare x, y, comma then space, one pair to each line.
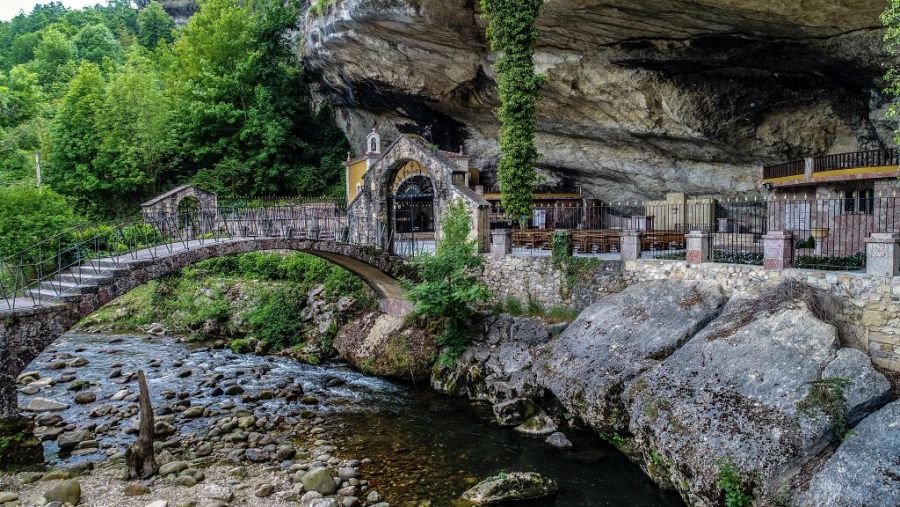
78, 280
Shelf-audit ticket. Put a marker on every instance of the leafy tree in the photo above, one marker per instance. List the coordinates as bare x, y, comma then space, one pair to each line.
251, 130
96, 42
75, 139
20, 96
449, 292
136, 147
29, 215
51, 56
511, 30
154, 25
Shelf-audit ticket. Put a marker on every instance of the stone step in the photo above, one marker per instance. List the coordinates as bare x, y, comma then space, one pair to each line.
65, 287
41, 294
90, 278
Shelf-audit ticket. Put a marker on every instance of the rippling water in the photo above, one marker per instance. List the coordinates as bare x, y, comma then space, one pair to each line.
423, 446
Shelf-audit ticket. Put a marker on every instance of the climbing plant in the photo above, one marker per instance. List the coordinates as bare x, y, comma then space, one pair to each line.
511, 31
891, 20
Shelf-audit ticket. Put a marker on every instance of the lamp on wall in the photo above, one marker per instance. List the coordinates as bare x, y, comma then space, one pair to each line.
768, 186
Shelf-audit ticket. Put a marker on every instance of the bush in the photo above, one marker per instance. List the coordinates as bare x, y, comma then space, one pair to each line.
29, 215
275, 318
448, 291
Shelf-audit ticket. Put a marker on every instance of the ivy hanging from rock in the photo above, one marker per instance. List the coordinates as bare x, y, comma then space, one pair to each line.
511, 31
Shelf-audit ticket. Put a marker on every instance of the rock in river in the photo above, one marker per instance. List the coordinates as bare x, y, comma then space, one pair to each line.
45, 405
865, 469
616, 339
747, 390
319, 480
509, 487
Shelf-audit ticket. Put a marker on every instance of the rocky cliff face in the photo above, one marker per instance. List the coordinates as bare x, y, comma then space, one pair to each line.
642, 96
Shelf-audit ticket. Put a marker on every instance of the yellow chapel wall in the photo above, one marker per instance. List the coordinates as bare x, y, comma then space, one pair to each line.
355, 173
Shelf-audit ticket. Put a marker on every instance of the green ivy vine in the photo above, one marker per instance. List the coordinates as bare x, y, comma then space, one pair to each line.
511, 31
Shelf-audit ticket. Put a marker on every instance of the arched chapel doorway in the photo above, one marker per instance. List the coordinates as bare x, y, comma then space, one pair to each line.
411, 204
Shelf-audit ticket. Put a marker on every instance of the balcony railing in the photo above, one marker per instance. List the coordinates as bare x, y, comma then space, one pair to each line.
853, 160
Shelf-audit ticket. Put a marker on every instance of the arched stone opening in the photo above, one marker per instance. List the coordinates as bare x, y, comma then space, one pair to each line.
411, 208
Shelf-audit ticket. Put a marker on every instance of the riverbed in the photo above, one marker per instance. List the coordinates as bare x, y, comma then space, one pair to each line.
414, 445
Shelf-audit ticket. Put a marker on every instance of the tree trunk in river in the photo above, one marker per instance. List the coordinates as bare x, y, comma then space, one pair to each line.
140, 459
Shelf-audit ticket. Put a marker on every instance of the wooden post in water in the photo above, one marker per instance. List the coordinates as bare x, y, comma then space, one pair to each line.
140, 459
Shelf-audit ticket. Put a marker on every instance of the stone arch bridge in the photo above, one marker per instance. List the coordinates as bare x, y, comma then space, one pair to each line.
35, 311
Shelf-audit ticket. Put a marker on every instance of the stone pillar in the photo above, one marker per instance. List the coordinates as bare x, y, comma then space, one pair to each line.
699, 247
501, 243
778, 250
883, 254
631, 245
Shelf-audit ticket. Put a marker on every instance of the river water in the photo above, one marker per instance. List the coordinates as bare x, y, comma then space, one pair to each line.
422, 445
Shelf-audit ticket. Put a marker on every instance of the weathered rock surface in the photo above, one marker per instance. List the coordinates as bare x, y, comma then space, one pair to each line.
641, 96
616, 339
385, 345
498, 368
865, 469
509, 487
735, 394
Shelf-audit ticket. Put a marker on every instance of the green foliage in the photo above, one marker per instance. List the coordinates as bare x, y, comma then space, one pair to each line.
732, 486
123, 105
832, 263
319, 7
75, 138
755, 258
95, 43
241, 346
155, 26
29, 215
573, 268
511, 30
826, 396
448, 291
890, 18
252, 130
274, 320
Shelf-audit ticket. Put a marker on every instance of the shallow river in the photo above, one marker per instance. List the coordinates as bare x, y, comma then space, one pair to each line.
422, 445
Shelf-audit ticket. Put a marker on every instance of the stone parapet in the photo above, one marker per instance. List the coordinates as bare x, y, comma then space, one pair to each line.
501, 243
778, 250
631, 245
699, 247
883, 254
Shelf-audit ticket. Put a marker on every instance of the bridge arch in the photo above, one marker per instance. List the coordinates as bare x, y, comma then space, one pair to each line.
26, 331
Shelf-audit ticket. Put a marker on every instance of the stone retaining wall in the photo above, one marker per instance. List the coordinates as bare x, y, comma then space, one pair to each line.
870, 305
534, 278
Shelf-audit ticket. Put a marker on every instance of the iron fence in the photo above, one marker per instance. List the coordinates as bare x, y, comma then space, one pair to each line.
828, 233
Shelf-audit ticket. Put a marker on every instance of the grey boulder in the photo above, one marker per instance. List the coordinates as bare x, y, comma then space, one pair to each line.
865, 469
510, 487
616, 339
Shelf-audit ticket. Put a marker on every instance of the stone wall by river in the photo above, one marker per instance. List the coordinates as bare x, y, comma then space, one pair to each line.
868, 312
696, 383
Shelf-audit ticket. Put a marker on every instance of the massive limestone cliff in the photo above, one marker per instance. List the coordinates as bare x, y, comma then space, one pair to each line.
642, 96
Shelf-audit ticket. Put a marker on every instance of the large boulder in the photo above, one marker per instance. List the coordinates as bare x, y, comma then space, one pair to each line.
510, 487
746, 398
497, 365
386, 345
616, 339
865, 470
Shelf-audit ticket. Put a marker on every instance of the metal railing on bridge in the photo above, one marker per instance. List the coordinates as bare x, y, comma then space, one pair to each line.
62, 265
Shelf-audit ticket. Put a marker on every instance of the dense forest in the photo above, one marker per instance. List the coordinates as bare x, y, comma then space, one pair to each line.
122, 104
